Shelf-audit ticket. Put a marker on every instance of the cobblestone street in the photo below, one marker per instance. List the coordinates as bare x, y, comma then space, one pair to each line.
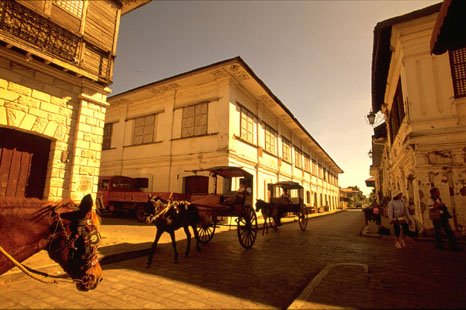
329, 265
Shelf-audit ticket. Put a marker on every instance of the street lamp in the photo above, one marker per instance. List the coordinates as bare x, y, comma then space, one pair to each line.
369, 153
371, 117
374, 119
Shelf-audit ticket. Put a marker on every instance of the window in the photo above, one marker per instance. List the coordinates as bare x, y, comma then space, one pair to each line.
314, 167
298, 158
307, 163
107, 141
458, 71
194, 122
397, 112
286, 150
247, 125
74, 7
270, 140
144, 130
308, 197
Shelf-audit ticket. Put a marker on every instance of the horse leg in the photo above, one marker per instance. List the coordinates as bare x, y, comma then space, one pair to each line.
196, 235
265, 225
153, 247
188, 236
172, 236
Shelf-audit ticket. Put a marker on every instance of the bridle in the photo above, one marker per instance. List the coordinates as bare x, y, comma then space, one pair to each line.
82, 232
81, 241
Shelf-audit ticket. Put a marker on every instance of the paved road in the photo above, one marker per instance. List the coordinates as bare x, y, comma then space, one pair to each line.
328, 266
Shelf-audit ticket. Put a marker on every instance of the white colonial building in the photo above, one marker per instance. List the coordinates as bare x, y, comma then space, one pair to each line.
218, 115
423, 99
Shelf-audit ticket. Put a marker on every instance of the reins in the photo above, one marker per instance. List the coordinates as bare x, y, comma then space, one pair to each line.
91, 242
28, 271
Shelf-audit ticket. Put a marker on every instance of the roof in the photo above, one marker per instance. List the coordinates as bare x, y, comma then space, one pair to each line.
449, 28
381, 53
287, 185
129, 5
242, 63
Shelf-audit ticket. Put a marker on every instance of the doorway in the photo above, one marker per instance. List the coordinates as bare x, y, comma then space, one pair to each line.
23, 164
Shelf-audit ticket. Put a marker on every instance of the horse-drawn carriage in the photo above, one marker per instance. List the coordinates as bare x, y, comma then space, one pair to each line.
286, 197
203, 212
223, 203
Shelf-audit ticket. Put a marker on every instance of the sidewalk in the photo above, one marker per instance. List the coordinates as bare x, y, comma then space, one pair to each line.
372, 230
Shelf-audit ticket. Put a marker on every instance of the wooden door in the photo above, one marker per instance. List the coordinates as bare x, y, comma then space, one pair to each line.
23, 164
196, 184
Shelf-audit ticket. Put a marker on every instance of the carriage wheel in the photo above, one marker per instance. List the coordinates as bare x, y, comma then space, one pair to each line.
247, 227
140, 213
206, 233
303, 218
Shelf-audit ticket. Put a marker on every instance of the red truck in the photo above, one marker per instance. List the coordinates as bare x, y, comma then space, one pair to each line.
119, 194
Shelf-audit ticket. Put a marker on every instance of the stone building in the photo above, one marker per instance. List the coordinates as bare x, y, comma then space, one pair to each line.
423, 100
218, 115
56, 63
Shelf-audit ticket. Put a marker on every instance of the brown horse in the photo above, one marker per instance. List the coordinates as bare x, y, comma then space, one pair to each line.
269, 213
169, 216
68, 233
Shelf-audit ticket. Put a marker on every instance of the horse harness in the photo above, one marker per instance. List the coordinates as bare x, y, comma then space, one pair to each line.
84, 229
161, 210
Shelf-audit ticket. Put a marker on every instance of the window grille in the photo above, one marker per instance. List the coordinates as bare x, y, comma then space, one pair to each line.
270, 140
107, 142
286, 150
74, 7
144, 130
247, 125
307, 163
298, 158
458, 71
397, 112
194, 121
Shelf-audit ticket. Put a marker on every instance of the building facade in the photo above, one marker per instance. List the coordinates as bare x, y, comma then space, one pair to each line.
422, 143
56, 62
219, 115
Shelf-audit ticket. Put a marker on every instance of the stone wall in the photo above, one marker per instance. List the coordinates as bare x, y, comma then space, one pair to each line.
63, 108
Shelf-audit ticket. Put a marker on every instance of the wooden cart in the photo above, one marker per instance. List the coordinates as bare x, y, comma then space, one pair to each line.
287, 197
214, 207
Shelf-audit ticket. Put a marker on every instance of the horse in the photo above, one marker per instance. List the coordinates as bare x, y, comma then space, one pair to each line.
68, 233
169, 216
269, 213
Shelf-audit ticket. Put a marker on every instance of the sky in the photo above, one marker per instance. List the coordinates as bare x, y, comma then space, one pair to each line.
315, 56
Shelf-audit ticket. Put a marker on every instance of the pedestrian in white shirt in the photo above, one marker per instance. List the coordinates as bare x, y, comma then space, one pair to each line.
399, 216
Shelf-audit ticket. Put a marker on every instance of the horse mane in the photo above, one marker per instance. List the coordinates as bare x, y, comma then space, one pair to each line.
69, 205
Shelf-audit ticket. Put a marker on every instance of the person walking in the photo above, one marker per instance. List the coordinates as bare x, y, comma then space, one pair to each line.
398, 215
438, 213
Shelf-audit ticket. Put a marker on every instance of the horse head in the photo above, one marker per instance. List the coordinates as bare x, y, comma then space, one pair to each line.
155, 204
74, 241
261, 205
